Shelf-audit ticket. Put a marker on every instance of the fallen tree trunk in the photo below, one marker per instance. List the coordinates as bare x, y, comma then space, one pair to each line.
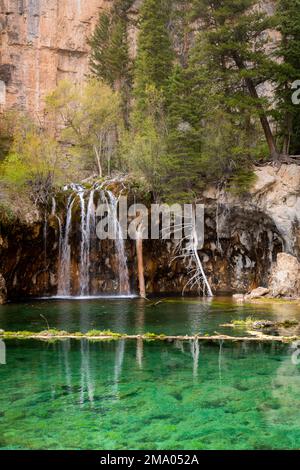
46, 336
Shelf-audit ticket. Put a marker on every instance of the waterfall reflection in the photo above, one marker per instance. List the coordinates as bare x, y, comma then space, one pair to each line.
220, 359
195, 350
86, 376
139, 323
66, 345
139, 352
197, 313
119, 358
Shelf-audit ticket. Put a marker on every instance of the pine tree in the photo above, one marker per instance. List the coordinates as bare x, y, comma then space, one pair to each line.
109, 58
109, 51
154, 58
233, 35
287, 71
184, 138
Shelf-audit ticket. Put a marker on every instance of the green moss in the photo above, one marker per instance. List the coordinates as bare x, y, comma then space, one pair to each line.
103, 333
243, 323
31, 334
153, 336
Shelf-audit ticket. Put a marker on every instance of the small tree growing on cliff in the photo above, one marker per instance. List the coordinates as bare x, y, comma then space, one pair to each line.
34, 163
91, 119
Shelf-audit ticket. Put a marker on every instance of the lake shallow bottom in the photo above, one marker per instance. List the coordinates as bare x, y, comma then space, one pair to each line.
129, 394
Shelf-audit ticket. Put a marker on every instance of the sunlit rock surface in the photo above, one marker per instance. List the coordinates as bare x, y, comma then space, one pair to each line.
285, 277
42, 42
277, 193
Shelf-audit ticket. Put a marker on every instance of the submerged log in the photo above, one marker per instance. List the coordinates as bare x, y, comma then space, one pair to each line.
255, 337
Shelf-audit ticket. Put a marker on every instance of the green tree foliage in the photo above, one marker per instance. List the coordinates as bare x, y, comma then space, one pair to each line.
91, 120
7, 122
33, 164
233, 38
144, 145
109, 58
286, 72
184, 137
154, 58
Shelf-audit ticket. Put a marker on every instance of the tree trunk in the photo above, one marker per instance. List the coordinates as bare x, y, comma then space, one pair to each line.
264, 121
98, 160
288, 134
140, 260
263, 118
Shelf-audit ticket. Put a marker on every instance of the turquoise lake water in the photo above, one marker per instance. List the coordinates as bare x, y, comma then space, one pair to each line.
174, 316
130, 394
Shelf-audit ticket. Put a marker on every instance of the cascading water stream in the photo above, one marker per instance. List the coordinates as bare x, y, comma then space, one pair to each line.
88, 226
120, 245
64, 273
87, 207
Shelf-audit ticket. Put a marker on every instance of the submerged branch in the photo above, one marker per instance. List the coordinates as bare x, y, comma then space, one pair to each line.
95, 335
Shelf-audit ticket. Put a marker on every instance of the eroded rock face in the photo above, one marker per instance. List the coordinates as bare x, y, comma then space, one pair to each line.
243, 236
3, 290
277, 193
285, 277
42, 42
239, 249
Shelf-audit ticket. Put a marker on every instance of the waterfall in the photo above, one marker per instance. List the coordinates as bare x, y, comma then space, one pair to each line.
87, 233
90, 231
120, 245
87, 228
64, 274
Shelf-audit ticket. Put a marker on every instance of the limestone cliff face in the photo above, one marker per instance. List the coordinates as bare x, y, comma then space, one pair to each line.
42, 42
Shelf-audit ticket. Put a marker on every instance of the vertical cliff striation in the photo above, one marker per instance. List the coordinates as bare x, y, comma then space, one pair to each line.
42, 42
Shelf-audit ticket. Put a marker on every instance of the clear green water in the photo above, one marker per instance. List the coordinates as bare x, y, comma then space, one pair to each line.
175, 316
129, 395
146, 395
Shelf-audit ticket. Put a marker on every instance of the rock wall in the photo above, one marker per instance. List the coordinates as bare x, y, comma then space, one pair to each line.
285, 277
241, 244
3, 291
243, 236
42, 42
